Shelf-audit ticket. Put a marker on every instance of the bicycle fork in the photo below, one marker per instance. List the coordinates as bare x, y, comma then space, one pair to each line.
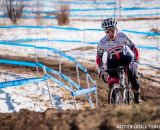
122, 85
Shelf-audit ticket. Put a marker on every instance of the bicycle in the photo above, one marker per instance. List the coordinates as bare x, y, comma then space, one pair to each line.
120, 93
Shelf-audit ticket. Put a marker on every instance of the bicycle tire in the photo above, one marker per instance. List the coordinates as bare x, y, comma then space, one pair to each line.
126, 96
104, 78
115, 95
129, 98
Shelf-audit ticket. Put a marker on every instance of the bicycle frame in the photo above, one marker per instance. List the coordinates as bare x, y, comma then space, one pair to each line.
120, 92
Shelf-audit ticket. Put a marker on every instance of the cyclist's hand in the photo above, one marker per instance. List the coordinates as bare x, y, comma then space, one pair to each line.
101, 71
133, 66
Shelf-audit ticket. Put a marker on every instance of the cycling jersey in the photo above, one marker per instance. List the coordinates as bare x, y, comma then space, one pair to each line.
115, 48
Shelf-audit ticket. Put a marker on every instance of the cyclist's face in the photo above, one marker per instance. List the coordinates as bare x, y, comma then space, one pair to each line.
111, 33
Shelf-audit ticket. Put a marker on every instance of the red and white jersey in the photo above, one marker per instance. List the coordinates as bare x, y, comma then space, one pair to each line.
121, 44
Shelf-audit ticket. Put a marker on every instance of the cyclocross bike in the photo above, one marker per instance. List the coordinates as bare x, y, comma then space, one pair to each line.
120, 93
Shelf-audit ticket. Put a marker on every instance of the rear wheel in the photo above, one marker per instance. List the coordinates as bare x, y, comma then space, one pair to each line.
115, 95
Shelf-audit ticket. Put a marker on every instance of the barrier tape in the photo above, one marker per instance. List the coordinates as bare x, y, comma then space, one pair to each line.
76, 2
149, 47
58, 73
32, 80
22, 63
78, 29
32, 64
65, 55
83, 91
21, 82
58, 82
91, 9
144, 33
47, 48
91, 16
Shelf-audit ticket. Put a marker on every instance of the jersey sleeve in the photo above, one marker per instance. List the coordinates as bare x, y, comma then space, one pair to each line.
100, 52
133, 47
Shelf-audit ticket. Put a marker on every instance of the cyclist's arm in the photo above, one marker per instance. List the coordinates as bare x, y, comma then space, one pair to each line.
99, 56
133, 47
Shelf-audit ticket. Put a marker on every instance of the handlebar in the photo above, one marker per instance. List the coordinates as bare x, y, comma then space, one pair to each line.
120, 68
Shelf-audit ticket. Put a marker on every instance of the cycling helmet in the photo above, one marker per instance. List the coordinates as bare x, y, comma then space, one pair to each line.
109, 23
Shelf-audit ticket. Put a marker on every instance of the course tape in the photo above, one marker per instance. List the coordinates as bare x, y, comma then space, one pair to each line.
63, 54
144, 33
58, 73
83, 2
78, 29
31, 17
76, 93
76, 2
91, 16
50, 49
40, 39
32, 64
84, 91
32, 80
58, 82
94, 9
21, 82
21, 63
104, 16
43, 48
140, 15
90, 9
24, 0
149, 47
42, 27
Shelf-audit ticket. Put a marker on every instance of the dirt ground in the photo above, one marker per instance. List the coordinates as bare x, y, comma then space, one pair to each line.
102, 118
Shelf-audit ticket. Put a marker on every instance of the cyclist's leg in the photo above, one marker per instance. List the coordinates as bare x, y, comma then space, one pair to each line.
133, 78
113, 76
112, 64
127, 93
112, 80
126, 59
135, 86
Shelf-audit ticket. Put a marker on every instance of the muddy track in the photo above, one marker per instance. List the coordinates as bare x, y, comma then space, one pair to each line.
104, 117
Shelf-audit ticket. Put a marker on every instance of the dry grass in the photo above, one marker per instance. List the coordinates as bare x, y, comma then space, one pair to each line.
63, 15
3, 24
39, 19
156, 30
158, 72
81, 48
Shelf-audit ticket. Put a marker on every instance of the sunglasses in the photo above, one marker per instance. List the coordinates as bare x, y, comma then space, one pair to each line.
110, 30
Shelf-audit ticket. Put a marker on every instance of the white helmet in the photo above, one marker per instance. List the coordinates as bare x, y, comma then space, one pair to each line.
109, 23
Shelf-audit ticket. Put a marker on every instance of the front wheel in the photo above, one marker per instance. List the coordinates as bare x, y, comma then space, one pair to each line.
128, 94
104, 77
115, 95
129, 97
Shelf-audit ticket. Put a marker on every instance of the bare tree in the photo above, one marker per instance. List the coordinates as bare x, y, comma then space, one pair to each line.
14, 9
